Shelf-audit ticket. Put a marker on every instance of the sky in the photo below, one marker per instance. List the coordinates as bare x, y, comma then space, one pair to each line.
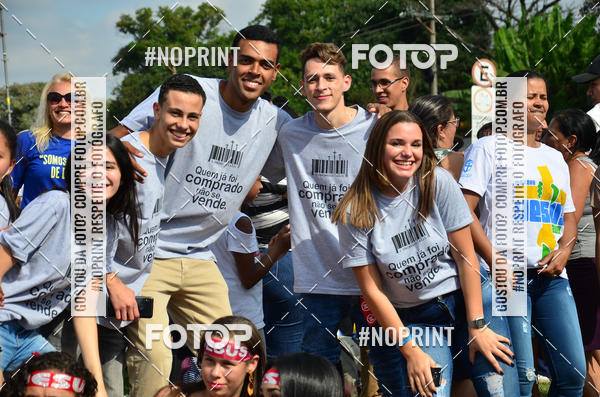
82, 34
45, 37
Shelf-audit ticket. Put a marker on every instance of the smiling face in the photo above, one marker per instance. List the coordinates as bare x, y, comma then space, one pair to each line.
7, 163
324, 85
256, 69
537, 105
394, 94
177, 119
403, 153
112, 176
60, 113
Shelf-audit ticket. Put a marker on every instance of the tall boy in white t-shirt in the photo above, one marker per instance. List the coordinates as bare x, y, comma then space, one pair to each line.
177, 115
322, 152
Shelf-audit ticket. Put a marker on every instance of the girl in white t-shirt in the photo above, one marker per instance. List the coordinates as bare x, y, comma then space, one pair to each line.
403, 228
550, 231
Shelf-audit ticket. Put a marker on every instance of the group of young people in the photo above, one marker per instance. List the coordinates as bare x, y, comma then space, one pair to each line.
387, 228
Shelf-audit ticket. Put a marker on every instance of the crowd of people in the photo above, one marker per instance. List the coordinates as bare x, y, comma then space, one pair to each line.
224, 207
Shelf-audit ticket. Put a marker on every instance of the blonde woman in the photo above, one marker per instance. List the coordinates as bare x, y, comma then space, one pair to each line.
42, 151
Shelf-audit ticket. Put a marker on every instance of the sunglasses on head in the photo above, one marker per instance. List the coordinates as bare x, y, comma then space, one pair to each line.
55, 98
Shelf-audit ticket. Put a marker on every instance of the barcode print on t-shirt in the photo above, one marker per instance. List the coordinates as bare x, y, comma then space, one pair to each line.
226, 155
410, 236
330, 166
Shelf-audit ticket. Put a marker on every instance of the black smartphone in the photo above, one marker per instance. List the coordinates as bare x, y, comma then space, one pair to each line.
436, 373
145, 306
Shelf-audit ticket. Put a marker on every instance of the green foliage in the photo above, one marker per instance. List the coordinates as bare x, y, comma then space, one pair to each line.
25, 99
181, 27
346, 22
299, 23
556, 47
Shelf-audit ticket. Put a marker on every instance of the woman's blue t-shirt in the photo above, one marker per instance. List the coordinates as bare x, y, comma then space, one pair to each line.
39, 172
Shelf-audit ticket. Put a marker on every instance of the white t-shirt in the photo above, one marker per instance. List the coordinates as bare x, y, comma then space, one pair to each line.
413, 258
548, 193
209, 177
320, 166
244, 302
133, 260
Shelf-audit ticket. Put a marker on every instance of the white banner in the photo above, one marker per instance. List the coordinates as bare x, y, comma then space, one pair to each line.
88, 204
509, 198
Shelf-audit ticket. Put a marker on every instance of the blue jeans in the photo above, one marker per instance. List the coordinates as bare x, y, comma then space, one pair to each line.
445, 317
483, 375
18, 344
322, 318
283, 313
551, 309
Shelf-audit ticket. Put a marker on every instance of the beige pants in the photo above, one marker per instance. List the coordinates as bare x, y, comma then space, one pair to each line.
191, 291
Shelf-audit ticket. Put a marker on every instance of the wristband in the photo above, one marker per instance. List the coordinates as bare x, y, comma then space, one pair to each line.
407, 339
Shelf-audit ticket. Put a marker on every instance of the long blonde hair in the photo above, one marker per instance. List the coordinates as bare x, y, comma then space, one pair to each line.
42, 127
372, 173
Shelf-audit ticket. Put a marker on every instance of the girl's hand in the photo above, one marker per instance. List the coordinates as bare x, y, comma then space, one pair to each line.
1, 294
122, 298
554, 263
490, 345
280, 243
418, 367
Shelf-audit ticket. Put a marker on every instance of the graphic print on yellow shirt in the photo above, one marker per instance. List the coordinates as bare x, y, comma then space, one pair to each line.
545, 202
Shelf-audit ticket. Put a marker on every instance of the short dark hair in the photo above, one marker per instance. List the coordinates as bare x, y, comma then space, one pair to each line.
396, 64
16, 384
183, 83
260, 33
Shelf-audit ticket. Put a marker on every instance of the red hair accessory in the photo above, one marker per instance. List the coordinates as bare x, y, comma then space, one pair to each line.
271, 377
228, 352
56, 381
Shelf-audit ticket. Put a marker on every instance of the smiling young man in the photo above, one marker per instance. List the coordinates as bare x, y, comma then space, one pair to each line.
389, 85
177, 115
206, 183
320, 153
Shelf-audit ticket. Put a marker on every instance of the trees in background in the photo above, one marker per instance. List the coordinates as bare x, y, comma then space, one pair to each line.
515, 34
25, 99
557, 46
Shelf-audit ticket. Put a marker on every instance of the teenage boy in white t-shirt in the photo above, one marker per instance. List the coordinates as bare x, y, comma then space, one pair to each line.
322, 152
208, 180
177, 115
